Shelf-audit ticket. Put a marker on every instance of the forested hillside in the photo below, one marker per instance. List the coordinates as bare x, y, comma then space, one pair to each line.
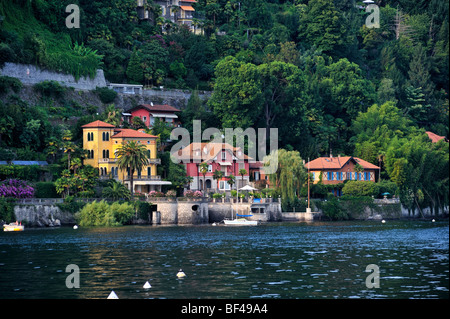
312, 69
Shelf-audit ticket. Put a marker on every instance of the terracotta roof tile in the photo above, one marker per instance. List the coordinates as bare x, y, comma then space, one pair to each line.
155, 108
129, 133
434, 137
337, 163
212, 150
98, 124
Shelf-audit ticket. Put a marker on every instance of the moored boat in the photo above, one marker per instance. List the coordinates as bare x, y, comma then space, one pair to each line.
13, 227
240, 222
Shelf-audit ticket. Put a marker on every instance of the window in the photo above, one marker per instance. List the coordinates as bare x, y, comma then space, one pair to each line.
224, 156
209, 168
149, 171
366, 176
330, 176
223, 185
90, 136
144, 119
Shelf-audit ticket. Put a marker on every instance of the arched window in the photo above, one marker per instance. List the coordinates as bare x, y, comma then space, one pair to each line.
101, 171
107, 153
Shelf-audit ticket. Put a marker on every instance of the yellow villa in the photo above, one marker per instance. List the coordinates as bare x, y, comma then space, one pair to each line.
101, 140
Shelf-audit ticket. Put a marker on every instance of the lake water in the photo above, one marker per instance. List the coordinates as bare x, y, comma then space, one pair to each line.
279, 260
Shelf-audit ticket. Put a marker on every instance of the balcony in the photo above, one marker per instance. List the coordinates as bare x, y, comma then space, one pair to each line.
143, 178
107, 160
155, 161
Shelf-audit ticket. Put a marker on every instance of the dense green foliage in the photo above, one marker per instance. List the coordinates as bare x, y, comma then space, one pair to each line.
310, 68
7, 209
104, 214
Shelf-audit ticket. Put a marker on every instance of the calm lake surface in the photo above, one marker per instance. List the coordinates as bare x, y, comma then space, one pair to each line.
278, 260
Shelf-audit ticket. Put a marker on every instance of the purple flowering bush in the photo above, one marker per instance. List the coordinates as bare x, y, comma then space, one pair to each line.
16, 188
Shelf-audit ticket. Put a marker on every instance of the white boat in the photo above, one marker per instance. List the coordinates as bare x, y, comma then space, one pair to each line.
240, 222
13, 227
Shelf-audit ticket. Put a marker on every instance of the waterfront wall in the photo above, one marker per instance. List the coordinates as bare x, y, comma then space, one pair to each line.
42, 215
31, 74
45, 212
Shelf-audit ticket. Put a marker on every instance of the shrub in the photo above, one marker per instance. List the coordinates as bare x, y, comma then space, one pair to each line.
155, 194
106, 95
122, 212
217, 195
49, 88
45, 190
360, 188
171, 193
9, 82
333, 210
7, 209
103, 214
190, 194
143, 209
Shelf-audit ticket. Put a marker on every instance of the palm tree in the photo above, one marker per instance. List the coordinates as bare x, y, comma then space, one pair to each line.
381, 157
116, 191
242, 172
75, 164
217, 175
133, 156
204, 169
231, 180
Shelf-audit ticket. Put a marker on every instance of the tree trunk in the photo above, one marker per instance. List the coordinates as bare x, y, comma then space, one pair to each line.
131, 182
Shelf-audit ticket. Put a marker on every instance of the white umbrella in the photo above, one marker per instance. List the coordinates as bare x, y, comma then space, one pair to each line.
248, 188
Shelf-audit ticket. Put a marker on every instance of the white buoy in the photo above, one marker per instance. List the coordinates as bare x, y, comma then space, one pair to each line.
112, 295
181, 274
75, 227
433, 220
383, 221
147, 285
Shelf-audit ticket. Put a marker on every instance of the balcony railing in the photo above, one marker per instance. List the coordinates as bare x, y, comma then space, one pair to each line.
143, 178
107, 160
156, 161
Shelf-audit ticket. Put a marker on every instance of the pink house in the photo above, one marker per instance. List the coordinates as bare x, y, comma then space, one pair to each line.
221, 157
149, 112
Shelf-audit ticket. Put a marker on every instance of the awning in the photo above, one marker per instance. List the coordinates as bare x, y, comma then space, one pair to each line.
187, 8
166, 115
225, 163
